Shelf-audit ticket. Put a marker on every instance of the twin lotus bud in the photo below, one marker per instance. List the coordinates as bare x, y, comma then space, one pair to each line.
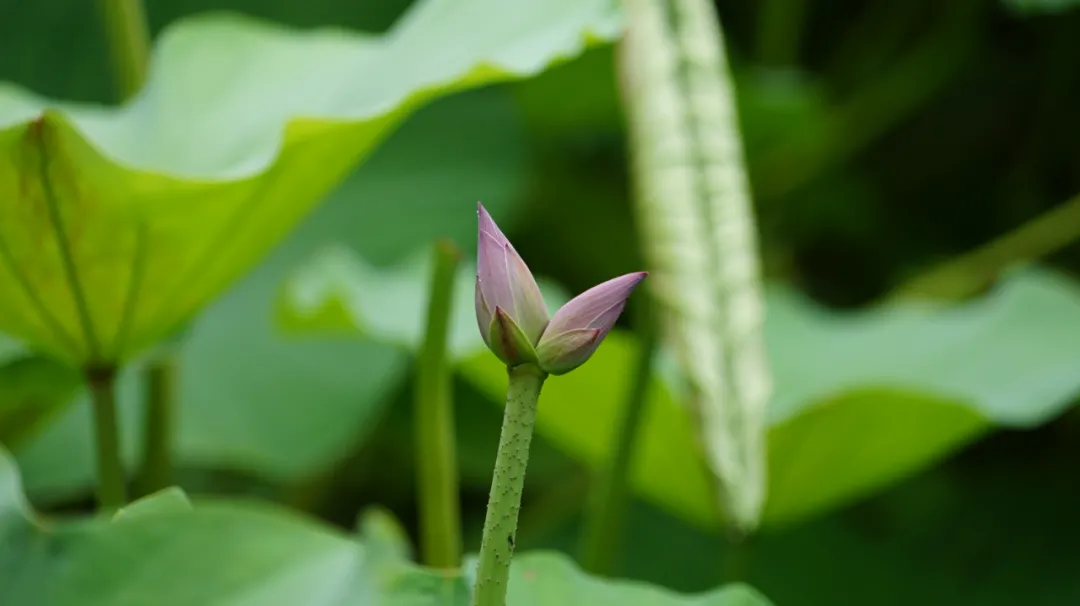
514, 320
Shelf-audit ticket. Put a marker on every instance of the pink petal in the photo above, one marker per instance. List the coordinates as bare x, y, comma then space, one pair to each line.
530, 311
599, 307
487, 225
504, 280
492, 276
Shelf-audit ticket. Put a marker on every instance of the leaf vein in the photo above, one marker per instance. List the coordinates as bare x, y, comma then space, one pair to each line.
138, 271
31, 294
67, 259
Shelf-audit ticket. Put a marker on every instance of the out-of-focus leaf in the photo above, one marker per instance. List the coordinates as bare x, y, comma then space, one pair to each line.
285, 405
168, 500
119, 224
249, 399
1040, 7
338, 293
550, 579
233, 554
852, 392
846, 557
1010, 353
33, 389
863, 440
423, 183
593, 109
13, 505
281, 407
383, 532
230, 555
52, 49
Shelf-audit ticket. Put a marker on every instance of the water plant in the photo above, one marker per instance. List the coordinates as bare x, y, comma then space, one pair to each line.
514, 322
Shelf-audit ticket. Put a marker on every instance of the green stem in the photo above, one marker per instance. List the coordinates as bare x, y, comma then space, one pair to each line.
604, 518
129, 43
440, 526
129, 50
504, 502
155, 471
112, 493
969, 273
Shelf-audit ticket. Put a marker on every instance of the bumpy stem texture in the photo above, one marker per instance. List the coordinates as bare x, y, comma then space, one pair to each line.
504, 503
440, 527
111, 491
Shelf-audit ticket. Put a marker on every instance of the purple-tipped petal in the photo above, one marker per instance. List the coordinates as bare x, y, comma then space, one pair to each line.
508, 342
579, 327
491, 275
599, 307
504, 280
487, 225
529, 307
566, 351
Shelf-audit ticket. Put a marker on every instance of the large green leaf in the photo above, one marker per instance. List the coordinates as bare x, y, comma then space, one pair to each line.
862, 399
549, 579
168, 500
284, 406
33, 388
234, 554
59, 48
843, 422
121, 223
338, 293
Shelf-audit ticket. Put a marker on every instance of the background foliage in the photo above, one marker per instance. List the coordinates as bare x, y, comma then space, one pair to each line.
931, 461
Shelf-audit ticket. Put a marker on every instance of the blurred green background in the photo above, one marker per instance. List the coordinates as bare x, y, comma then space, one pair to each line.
882, 138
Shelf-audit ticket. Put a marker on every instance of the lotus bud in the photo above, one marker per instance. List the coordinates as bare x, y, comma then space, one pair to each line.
513, 318
578, 328
504, 283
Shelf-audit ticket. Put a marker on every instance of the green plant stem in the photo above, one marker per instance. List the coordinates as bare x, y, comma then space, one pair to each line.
155, 471
129, 43
607, 506
112, 493
129, 54
969, 273
504, 502
440, 526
